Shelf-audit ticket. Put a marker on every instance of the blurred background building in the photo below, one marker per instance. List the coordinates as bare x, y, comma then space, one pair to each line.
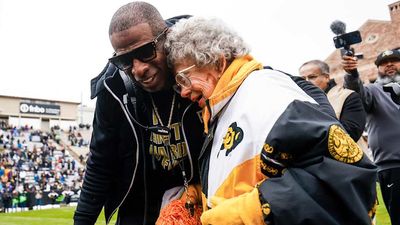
43, 114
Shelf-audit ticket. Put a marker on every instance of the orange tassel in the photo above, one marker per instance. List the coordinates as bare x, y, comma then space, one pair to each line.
175, 213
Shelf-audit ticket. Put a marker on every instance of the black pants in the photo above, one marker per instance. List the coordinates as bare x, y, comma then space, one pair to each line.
389, 181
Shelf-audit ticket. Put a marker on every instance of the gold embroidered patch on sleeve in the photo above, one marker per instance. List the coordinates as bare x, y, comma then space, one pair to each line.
342, 147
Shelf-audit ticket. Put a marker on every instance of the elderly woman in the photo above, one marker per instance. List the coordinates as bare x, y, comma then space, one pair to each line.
274, 153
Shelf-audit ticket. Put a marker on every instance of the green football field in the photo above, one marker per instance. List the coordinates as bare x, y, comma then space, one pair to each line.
381, 213
59, 216
63, 216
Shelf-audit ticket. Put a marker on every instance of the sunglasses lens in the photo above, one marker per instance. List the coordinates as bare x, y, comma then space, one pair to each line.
146, 52
122, 62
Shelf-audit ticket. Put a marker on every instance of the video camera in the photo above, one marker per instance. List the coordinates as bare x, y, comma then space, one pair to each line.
344, 40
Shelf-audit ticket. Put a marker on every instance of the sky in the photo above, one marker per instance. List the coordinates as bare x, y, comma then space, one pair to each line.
51, 49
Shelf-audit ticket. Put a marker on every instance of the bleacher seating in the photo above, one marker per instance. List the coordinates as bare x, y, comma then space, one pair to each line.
36, 164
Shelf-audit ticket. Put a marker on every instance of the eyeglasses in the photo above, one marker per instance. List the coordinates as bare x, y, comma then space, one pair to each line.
144, 53
313, 76
182, 80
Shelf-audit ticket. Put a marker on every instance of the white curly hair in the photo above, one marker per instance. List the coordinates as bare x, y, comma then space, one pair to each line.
203, 41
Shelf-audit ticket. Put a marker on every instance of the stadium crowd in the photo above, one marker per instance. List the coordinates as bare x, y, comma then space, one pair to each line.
36, 169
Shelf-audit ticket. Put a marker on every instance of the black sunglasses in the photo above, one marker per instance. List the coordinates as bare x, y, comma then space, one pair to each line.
144, 53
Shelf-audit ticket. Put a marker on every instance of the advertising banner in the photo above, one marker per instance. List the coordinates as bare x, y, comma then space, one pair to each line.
39, 109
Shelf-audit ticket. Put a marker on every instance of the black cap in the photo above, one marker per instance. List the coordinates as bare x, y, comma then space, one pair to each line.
388, 54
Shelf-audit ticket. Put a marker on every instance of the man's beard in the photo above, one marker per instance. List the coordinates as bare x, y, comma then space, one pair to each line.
386, 79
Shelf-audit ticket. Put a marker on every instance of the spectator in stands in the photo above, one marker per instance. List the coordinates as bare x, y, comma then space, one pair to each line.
31, 173
67, 195
22, 176
381, 101
38, 198
7, 199
2, 208
30, 195
81, 158
53, 196
22, 198
15, 200
1, 167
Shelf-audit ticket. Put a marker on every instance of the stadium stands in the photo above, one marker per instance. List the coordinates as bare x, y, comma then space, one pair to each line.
37, 169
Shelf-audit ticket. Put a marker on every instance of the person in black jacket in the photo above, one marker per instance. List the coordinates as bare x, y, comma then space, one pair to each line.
346, 103
139, 148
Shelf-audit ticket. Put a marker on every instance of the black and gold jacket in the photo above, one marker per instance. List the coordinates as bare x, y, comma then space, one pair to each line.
314, 173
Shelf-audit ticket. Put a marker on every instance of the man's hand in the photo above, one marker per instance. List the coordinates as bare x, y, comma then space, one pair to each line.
193, 194
243, 209
349, 63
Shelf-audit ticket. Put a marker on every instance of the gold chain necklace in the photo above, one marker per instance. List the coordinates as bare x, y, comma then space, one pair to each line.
167, 141
188, 204
155, 109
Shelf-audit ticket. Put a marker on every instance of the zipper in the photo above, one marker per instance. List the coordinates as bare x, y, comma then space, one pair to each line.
209, 138
187, 143
137, 150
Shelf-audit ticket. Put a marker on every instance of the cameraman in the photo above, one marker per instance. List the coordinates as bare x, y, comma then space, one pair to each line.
381, 102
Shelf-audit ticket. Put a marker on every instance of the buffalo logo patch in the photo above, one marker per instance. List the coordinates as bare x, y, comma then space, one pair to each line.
342, 147
232, 138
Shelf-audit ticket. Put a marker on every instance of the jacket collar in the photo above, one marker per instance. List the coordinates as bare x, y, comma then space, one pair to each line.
331, 84
96, 84
227, 86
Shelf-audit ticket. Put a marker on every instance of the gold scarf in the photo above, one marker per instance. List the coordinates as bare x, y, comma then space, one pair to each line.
227, 85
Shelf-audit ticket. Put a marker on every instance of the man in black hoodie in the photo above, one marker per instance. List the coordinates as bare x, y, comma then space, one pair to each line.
140, 145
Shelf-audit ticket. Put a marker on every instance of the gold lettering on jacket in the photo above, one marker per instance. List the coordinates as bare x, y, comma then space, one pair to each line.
269, 149
168, 155
269, 169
